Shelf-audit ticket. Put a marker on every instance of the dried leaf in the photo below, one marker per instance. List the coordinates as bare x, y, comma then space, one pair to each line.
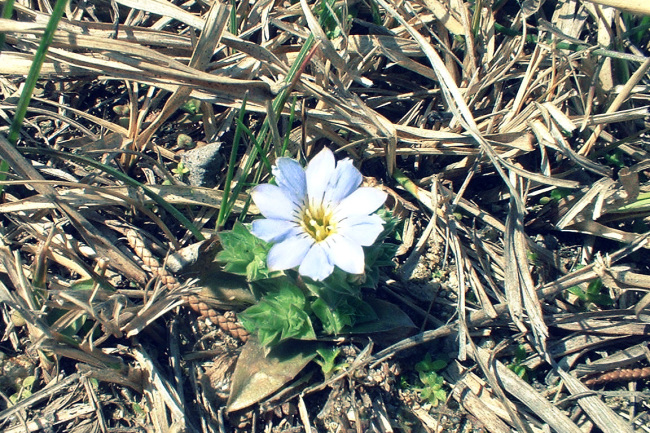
260, 371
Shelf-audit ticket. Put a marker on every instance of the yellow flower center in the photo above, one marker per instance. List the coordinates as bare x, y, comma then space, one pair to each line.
317, 222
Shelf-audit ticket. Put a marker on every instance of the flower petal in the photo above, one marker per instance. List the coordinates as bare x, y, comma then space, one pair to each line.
272, 230
345, 180
316, 264
363, 201
361, 229
346, 254
288, 253
290, 176
273, 202
318, 173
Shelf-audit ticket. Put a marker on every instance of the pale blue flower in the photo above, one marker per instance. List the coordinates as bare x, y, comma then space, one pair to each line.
318, 217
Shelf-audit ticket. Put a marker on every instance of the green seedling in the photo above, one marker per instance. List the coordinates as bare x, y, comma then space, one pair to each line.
184, 140
560, 193
25, 390
191, 107
192, 110
555, 196
327, 361
517, 367
122, 110
180, 170
593, 296
615, 159
431, 386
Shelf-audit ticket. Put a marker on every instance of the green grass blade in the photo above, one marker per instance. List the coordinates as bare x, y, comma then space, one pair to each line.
7, 10
571, 46
292, 116
34, 71
234, 26
262, 136
261, 151
224, 210
32, 76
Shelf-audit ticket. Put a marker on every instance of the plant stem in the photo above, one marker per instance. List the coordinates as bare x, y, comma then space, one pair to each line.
32, 76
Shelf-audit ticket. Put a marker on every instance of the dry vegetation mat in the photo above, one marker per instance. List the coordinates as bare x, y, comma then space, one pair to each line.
510, 290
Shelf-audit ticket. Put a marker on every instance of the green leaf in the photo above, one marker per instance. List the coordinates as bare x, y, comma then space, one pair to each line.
560, 193
594, 287
431, 379
243, 253
336, 284
280, 315
426, 394
427, 364
389, 318
192, 106
83, 284
74, 327
299, 325
334, 320
593, 295
440, 394
28, 382
46, 39
432, 391
327, 361
578, 292
259, 373
520, 353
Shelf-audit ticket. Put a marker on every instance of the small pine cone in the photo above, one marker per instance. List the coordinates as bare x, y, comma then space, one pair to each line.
137, 244
200, 307
169, 280
193, 303
630, 374
635, 373
227, 321
229, 324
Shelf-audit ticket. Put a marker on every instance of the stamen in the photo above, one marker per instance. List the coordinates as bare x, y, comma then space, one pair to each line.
317, 222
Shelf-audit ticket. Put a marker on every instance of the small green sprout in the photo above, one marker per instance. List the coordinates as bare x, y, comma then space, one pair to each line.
184, 140
180, 170
431, 387
122, 110
192, 106
554, 196
615, 159
25, 390
560, 193
327, 362
516, 366
192, 110
593, 296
